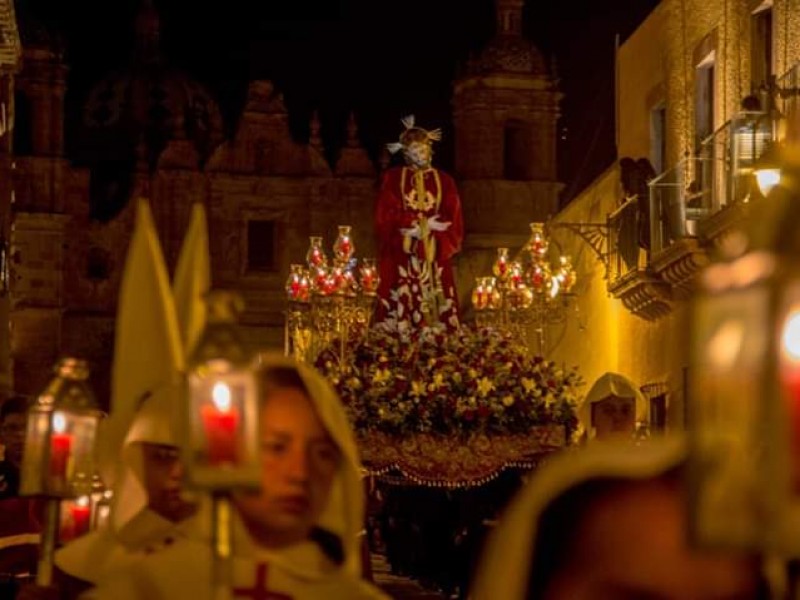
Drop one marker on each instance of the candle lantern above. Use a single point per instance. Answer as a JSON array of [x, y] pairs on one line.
[[222, 422], [744, 402], [343, 247], [59, 444], [59, 449], [221, 445], [369, 277], [75, 518], [315, 256]]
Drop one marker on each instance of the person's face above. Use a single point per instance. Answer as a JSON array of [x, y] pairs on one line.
[[632, 545], [299, 461], [163, 480], [614, 417], [419, 154], [12, 435]]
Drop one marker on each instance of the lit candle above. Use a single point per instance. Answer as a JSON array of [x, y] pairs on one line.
[[221, 423], [60, 447], [790, 378], [81, 514]]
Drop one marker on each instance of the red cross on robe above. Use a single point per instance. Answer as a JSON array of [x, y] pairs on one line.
[[259, 590]]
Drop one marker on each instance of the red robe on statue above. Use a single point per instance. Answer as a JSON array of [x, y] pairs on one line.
[[416, 273]]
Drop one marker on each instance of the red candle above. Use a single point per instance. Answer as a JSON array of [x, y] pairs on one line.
[[81, 514], [60, 447], [221, 424]]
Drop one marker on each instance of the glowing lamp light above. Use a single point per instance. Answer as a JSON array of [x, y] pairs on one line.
[[222, 419], [790, 338], [767, 179]]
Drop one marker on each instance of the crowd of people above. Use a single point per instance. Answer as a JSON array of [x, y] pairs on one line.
[[604, 519]]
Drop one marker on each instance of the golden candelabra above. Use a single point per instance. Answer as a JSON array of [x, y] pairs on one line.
[[329, 304], [527, 292]]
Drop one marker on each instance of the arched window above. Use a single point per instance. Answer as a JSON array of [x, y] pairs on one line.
[[517, 151]]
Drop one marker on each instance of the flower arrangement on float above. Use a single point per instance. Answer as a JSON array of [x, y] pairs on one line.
[[471, 381]]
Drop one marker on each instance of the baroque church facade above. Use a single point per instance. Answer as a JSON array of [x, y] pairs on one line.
[[151, 131]]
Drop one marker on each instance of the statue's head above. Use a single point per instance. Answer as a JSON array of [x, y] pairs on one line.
[[416, 144]]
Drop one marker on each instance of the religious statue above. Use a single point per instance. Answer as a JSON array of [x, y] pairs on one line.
[[419, 227]]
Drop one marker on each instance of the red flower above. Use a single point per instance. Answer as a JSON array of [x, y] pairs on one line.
[[469, 415], [483, 411]]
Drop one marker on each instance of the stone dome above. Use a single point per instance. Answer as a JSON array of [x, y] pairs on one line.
[[509, 54], [149, 103], [152, 104]]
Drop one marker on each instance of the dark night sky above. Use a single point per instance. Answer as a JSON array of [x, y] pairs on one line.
[[381, 58]]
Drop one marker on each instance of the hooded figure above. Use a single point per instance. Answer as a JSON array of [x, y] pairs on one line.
[[149, 508], [608, 522], [298, 537], [614, 407]]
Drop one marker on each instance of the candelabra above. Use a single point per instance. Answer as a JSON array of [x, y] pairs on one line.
[[527, 292], [329, 304]]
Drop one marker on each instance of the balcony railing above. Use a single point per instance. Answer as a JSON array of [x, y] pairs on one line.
[[787, 99], [628, 233], [700, 186], [678, 200]]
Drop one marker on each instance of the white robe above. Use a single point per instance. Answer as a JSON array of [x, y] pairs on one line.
[[90, 556], [185, 571]]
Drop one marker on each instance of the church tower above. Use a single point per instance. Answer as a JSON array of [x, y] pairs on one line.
[[505, 108]]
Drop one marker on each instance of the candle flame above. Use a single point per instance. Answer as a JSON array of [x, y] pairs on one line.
[[59, 422], [791, 335], [82, 501], [221, 395]]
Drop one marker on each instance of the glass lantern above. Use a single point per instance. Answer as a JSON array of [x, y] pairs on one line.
[[501, 264], [343, 247], [369, 279], [537, 244], [59, 445], [744, 402], [221, 443], [315, 256], [75, 519]]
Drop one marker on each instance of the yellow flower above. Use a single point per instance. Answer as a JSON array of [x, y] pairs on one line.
[[354, 383], [472, 373], [417, 389], [381, 376], [528, 384], [485, 385], [457, 377], [508, 400]]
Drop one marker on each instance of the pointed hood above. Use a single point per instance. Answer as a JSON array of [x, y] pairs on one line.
[[193, 279], [148, 359]]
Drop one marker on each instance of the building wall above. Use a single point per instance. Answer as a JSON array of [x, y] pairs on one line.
[[657, 63]]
